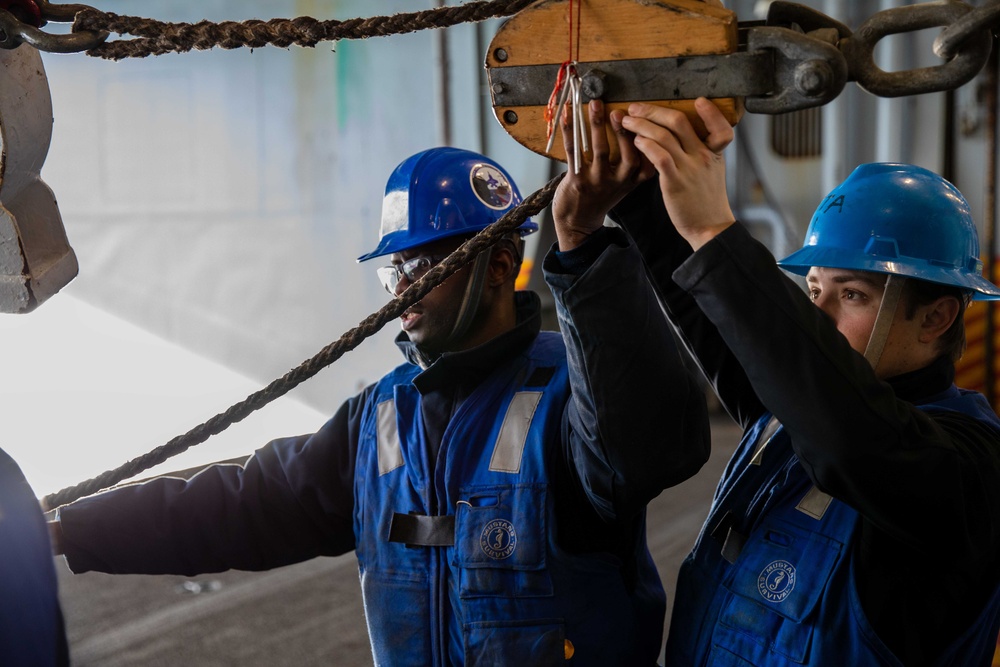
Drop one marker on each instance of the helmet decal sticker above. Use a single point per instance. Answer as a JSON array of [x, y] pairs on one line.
[[491, 186], [776, 581], [498, 539], [831, 201]]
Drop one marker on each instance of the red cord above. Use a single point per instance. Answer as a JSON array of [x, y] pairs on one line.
[[579, 7], [564, 68]]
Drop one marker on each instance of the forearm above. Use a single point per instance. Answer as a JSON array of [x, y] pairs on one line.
[[637, 422], [644, 218], [292, 500], [850, 430], [165, 526], [226, 517], [802, 368]]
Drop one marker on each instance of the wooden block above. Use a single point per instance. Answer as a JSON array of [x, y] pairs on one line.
[[609, 30]]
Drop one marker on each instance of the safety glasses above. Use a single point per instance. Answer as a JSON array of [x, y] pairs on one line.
[[414, 269]]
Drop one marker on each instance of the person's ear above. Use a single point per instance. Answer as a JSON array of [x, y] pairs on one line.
[[503, 265], [937, 318]]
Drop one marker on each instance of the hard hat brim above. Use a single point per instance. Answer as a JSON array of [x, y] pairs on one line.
[[401, 241], [800, 261]]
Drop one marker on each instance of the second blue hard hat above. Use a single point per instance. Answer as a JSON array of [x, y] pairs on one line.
[[896, 219]]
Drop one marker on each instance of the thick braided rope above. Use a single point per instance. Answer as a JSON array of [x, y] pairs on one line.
[[157, 37], [350, 340]]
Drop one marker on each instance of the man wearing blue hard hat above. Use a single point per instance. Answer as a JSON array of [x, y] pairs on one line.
[[494, 485], [857, 521]]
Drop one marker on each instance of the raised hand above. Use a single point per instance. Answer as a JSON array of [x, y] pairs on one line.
[[583, 200], [692, 171]]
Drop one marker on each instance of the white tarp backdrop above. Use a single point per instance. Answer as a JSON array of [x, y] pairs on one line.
[[93, 391]]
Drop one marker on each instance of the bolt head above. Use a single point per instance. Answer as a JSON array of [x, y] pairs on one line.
[[592, 85], [813, 77]]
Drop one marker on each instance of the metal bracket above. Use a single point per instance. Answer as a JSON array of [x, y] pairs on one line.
[[36, 260], [781, 70], [807, 72], [733, 75]]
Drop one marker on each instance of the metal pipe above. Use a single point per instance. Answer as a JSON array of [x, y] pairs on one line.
[[990, 212], [444, 73], [948, 144], [889, 131], [484, 106], [835, 127]]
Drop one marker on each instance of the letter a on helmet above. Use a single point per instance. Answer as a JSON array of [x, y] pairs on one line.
[[896, 219], [443, 192]]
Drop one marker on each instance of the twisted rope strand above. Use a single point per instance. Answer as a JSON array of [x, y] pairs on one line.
[[157, 37], [510, 221]]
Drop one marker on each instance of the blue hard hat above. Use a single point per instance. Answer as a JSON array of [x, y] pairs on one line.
[[898, 219], [443, 192]]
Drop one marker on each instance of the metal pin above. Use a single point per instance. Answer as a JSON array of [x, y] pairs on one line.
[[576, 127], [581, 110], [582, 115], [558, 117]]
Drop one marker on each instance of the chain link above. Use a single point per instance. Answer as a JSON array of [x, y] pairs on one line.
[[59, 13], [14, 31], [955, 36], [968, 59], [966, 40]]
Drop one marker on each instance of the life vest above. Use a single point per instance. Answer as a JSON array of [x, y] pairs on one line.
[[785, 595], [458, 559]]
